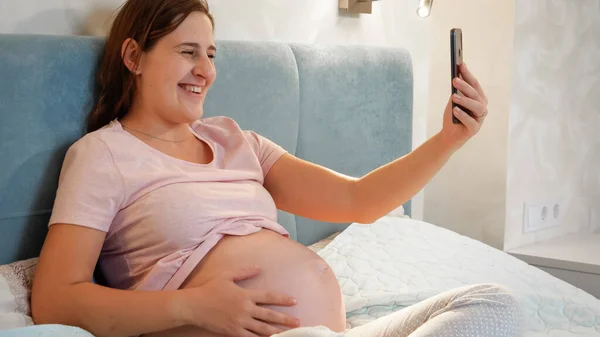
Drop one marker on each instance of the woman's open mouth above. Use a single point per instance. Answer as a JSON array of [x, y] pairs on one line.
[[191, 89]]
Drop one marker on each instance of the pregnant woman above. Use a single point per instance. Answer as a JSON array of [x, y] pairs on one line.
[[180, 211]]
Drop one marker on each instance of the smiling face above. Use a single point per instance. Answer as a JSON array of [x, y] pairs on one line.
[[174, 76]]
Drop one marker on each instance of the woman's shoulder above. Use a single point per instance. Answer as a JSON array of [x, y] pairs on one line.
[[102, 140]]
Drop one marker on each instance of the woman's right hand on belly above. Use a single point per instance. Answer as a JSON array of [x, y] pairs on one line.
[[222, 307]]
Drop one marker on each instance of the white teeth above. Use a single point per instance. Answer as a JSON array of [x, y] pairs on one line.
[[194, 89]]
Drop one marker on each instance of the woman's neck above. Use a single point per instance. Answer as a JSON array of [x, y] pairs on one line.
[[150, 124]]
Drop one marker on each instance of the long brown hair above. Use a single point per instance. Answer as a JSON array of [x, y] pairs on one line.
[[145, 21]]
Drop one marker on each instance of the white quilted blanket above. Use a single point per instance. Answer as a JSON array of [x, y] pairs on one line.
[[396, 262]]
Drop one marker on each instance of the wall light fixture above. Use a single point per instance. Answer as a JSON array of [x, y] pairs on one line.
[[424, 8]]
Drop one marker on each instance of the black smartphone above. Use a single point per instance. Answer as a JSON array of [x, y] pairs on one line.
[[456, 59]]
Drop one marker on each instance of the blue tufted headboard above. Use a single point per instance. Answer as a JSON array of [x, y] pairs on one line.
[[348, 108]]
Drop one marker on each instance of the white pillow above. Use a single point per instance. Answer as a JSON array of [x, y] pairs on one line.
[[398, 212], [318, 246], [15, 293]]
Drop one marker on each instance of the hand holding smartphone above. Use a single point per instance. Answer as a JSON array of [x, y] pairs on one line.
[[456, 59]]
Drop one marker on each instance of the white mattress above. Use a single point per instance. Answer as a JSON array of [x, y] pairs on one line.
[[396, 262]]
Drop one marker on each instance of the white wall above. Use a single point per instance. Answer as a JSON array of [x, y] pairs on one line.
[[72, 17], [554, 148], [468, 195], [456, 198]]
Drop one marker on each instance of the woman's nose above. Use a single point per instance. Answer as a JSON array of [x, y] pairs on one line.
[[205, 68]]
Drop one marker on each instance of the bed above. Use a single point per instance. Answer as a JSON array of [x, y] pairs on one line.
[[346, 107], [396, 262]]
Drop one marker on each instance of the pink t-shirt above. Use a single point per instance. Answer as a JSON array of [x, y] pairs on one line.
[[162, 214]]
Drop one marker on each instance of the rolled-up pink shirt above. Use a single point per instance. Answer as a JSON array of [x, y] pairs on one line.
[[161, 214]]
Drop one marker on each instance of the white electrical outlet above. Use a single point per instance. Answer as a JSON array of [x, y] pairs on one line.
[[541, 215]]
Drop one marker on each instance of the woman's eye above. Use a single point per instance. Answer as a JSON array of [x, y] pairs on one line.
[[212, 56], [189, 52]]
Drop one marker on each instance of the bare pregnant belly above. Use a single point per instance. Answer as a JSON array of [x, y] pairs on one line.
[[286, 266]]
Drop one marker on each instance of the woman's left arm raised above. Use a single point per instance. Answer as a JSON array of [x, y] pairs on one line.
[[316, 192]]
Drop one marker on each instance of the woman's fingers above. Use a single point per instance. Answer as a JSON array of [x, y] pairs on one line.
[[270, 297], [466, 89], [469, 122], [247, 333], [275, 317], [473, 82], [262, 328], [477, 109]]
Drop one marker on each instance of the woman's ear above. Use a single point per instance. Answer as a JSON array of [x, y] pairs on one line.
[[131, 55]]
